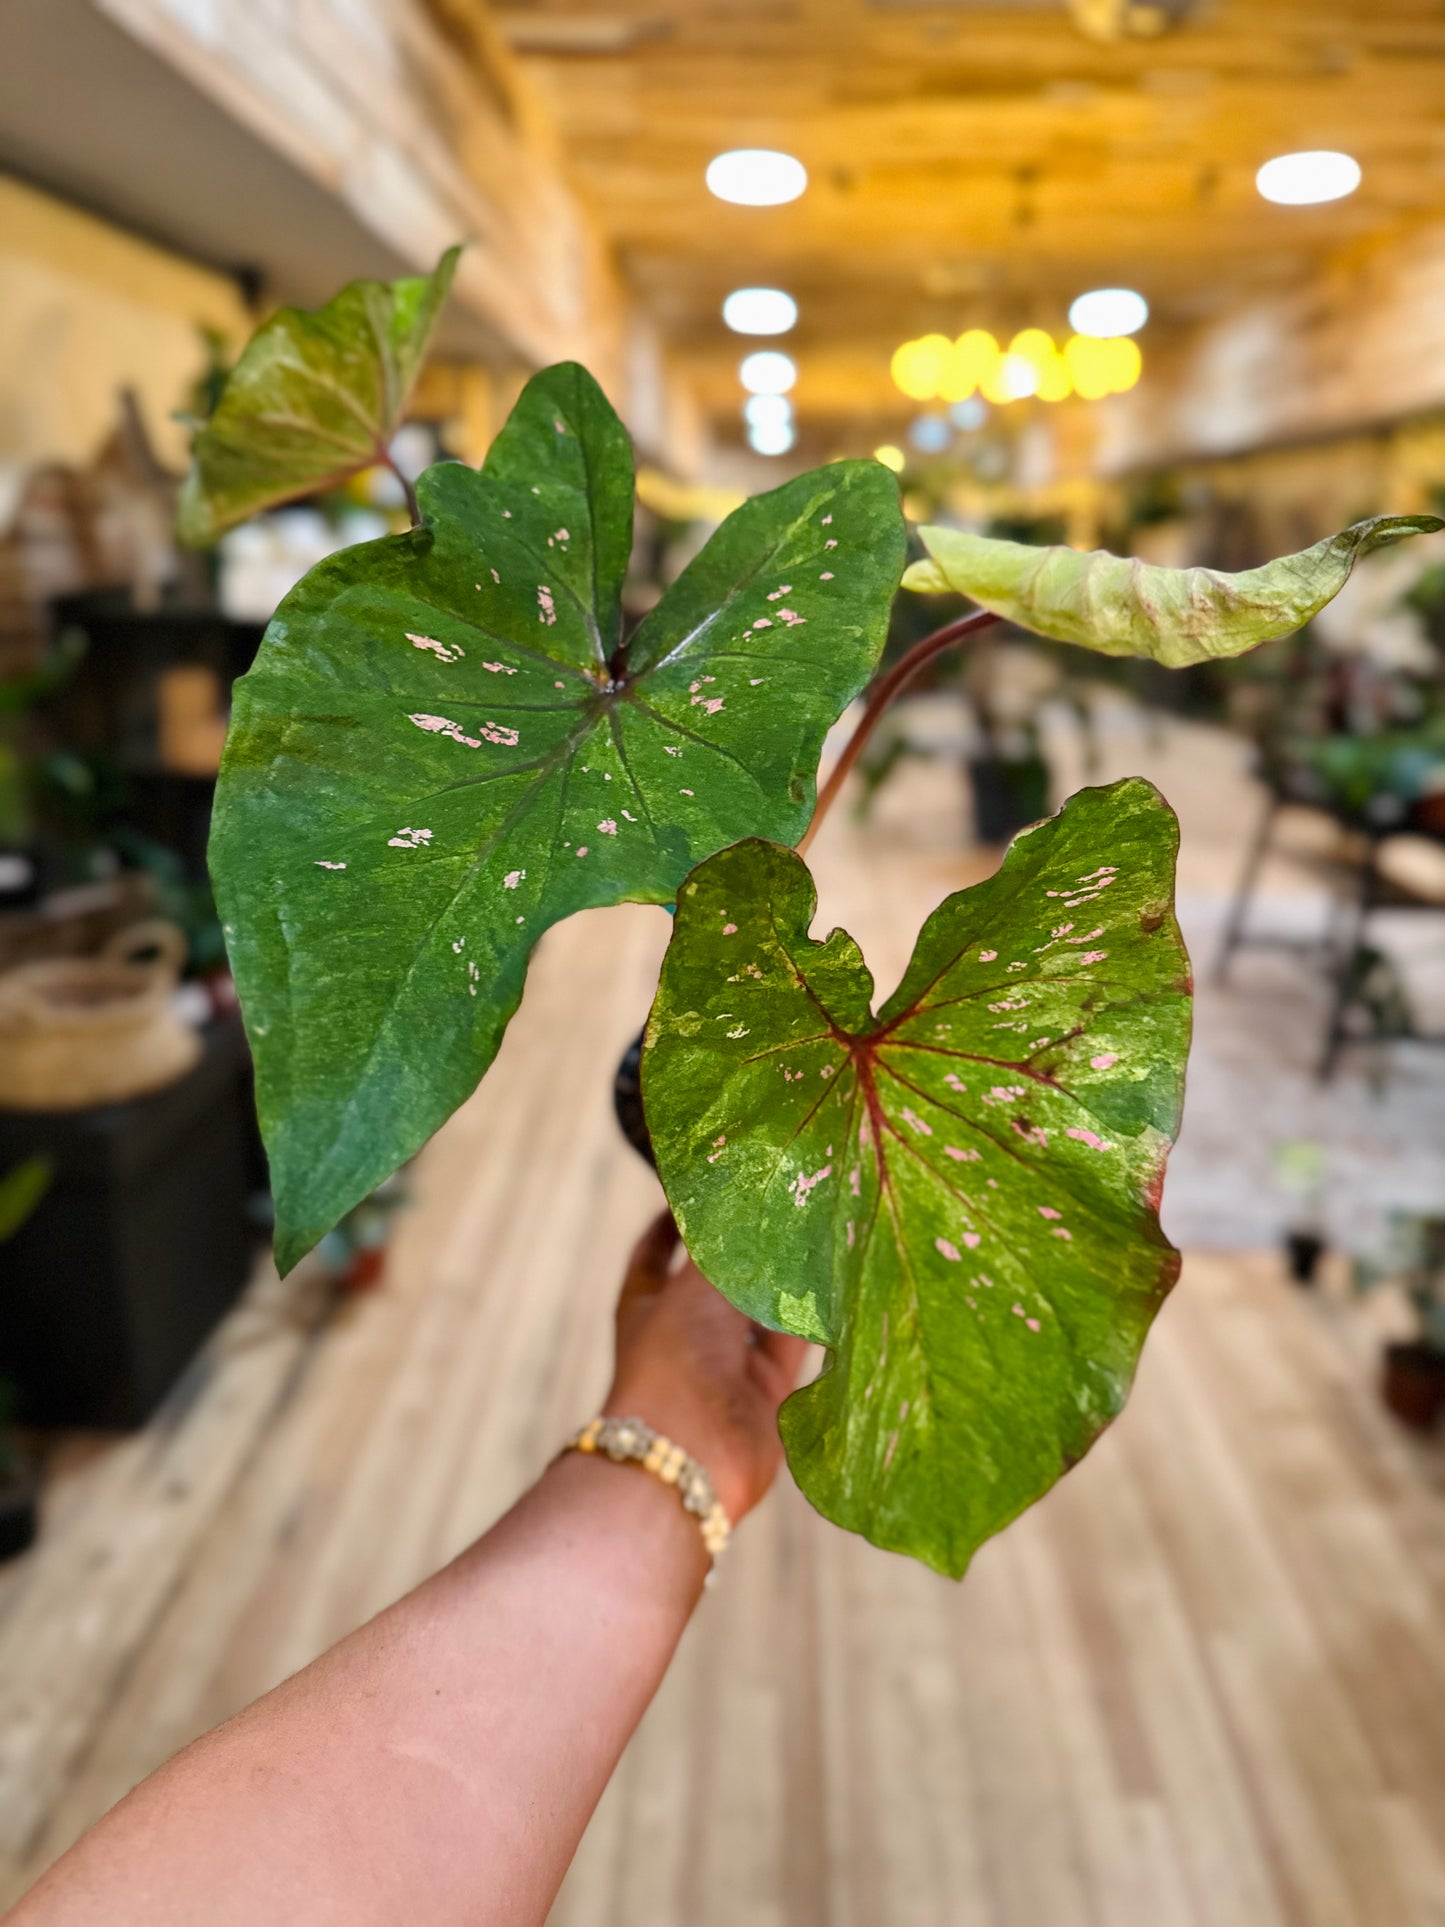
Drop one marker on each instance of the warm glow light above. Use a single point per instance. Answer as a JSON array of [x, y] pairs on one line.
[[890, 457], [767, 411], [933, 368], [1302, 180], [771, 438], [1100, 368], [1015, 379], [973, 363], [768, 373], [1106, 312], [756, 177], [759, 311], [1125, 365], [919, 367]]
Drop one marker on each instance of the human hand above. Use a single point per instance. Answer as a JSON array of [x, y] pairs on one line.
[[698, 1370]]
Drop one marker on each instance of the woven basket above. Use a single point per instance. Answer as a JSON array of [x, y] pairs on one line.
[[76, 1031]]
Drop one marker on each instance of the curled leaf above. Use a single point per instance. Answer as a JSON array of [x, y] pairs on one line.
[[444, 748], [315, 397], [958, 1196], [1123, 607]]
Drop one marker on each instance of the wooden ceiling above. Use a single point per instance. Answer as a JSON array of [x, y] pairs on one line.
[[975, 163]]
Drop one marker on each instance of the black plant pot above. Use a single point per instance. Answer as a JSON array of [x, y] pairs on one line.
[[21, 876], [627, 1101], [19, 1506], [1008, 794], [1304, 1250]]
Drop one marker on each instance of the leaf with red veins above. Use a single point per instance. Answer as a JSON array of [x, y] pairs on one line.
[[964, 1210]]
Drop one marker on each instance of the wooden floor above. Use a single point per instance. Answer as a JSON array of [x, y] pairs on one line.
[[1204, 1682]]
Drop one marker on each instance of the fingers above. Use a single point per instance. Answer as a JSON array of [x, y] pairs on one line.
[[652, 1254], [647, 1268], [784, 1354]]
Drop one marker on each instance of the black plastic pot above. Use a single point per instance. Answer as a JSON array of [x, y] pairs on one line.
[[1304, 1250], [20, 876], [19, 1505], [627, 1101], [1008, 794], [1412, 1383]]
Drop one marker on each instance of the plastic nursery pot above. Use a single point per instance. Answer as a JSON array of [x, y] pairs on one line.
[[19, 1505], [1412, 1383], [627, 1101], [1303, 1250], [1008, 794]]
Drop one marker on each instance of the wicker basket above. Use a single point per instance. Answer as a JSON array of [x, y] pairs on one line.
[[76, 1031]]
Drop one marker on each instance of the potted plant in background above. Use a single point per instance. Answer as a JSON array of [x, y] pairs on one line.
[[1412, 1376], [450, 740]]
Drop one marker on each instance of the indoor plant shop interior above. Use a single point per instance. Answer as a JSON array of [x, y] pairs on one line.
[[829, 619]]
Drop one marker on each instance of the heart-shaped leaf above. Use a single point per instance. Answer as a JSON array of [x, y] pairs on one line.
[[441, 750], [315, 397], [957, 1196], [1123, 607]]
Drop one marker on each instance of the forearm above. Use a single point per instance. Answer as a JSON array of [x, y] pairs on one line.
[[441, 1763]]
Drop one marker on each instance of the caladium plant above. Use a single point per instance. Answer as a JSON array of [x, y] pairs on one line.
[[450, 740]]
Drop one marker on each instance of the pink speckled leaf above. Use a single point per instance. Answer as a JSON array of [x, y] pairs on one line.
[[958, 1196]]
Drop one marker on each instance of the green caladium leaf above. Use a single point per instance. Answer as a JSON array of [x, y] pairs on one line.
[[959, 1195], [1123, 607], [315, 397], [443, 748]]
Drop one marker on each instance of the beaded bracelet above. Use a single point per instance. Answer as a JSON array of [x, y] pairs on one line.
[[633, 1439]]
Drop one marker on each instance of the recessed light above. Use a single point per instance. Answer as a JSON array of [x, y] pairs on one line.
[[759, 311], [1107, 312], [771, 438], [756, 177], [1303, 180], [761, 411], [768, 372], [890, 457]]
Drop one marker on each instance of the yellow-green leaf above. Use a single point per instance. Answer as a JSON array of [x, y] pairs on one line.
[[315, 397], [1124, 607]]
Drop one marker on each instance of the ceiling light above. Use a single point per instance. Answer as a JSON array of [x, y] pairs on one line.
[[756, 177], [767, 411], [1302, 180], [973, 363], [1098, 368], [768, 372], [890, 457], [919, 367], [1014, 379], [759, 311], [771, 438], [1109, 311]]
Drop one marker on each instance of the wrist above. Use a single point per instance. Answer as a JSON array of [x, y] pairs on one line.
[[685, 1425], [654, 1548]]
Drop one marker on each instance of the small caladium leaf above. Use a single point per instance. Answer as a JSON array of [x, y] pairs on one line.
[[1123, 607], [959, 1195], [444, 747], [315, 397]]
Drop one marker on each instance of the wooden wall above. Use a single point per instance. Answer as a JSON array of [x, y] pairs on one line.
[[1361, 345], [414, 118]]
